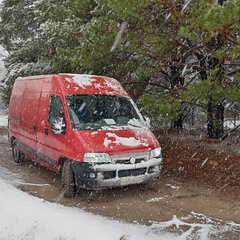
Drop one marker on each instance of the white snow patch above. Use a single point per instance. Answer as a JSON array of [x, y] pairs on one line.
[[27, 217], [36, 185], [172, 186], [131, 141], [9, 177], [198, 226], [156, 199], [3, 118], [136, 123], [81, 80], [115, 86]]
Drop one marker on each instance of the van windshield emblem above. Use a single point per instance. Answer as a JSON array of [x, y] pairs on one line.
[[132, 160]]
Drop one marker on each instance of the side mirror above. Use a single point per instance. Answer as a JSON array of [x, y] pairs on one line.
[[147, 122], [59, 126]]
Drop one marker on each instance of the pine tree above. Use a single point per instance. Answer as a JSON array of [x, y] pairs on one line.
[[21, 37], [173, 56], [215, 29], [36, 32], [64, 24], [202, 42]]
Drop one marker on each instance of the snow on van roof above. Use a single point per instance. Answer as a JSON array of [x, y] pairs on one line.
[[81, 80], [101, 83]]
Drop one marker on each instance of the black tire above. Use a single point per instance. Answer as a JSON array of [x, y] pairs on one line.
[[18, 156], [69, 187]]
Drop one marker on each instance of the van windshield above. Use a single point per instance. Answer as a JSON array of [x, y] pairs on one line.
[[99, 111]]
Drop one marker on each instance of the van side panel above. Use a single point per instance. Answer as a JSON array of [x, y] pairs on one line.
[[50, 147], [42, 128], [29, 115]]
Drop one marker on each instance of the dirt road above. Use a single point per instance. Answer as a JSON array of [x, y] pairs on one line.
[[157, 201]]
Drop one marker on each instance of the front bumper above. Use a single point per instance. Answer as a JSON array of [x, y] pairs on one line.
[[99, 176]]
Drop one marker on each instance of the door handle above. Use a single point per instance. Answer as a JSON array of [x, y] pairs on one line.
[[46, 131]]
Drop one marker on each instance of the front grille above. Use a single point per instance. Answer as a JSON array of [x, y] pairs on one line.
[[125, 159], [134, 158], [109, 175], [132, 172]]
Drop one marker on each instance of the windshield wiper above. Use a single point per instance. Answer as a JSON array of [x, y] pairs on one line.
[[134, 124], [87, 126]]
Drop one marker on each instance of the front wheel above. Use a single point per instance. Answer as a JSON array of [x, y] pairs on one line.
[[68, 181], [18, 156]]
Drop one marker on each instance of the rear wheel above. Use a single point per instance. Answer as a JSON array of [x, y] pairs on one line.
[[68, 181], [18, 156]]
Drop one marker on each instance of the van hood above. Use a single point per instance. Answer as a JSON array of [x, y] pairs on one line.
[[120, 141]]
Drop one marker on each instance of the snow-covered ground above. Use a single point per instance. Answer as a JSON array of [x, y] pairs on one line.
[[25, 217], [3, 117]]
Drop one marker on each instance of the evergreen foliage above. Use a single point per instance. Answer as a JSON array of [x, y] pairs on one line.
[[174, 56]]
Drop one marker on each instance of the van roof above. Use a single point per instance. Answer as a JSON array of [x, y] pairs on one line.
[[82, 83]]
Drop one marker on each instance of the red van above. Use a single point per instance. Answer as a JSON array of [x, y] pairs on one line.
[[85, 128]]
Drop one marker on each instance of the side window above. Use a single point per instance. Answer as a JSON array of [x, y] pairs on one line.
[[55, 110]]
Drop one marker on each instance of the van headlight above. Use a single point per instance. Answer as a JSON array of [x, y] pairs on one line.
[[156, 153], [97, 157]]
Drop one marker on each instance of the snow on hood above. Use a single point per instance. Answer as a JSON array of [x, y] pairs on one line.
[[125, 141], [120, 141]]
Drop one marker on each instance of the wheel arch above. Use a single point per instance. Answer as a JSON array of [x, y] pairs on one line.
[[60, 164]]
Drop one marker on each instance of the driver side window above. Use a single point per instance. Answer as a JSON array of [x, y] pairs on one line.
[[55, 110]]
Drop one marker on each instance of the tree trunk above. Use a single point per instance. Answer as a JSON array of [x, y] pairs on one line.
[[177, 81], [210, 125], [215, 116], [219, 118], [178, 124]]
